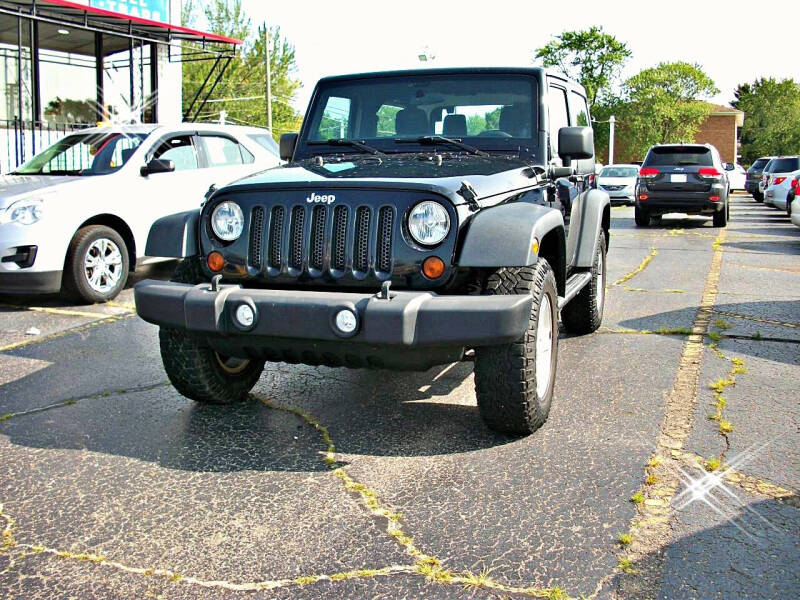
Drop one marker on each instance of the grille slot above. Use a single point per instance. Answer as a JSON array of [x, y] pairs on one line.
[[317, 254], [256, 238], [338, 257], [276, 237], [361, 240], [385, 223], [296, 237]]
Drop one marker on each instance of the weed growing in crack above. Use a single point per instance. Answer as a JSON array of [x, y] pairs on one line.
[[637, 498], [624, 539]]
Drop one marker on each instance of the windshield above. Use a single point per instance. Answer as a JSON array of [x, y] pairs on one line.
[[487, 111], [679, 156], [84, 154], [619, 172]]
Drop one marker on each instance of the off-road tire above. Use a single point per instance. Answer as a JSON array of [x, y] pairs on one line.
[[641, 217], [721, 217], [74, 284], [584, 313], [193, 368], [505, 375]]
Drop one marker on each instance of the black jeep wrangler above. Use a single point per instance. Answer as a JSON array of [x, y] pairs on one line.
[[424, 217]]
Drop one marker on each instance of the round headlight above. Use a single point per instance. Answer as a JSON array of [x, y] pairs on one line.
[[227, 221], [428, 223]]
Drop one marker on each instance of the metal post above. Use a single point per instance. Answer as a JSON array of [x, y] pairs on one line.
[[267, 68], [611, 122], [36, 91], [20, 108], [154, 79], [132, 100], [99, 76]]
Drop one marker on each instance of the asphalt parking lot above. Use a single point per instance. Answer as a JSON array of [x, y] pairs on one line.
[[368, 484]]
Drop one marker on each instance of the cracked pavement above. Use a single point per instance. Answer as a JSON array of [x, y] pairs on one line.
[[112, 485]]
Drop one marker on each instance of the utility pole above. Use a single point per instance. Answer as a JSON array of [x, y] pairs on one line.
[[611, 122], [268, 73]]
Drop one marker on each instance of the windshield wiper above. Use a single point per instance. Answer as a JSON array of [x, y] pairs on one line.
[[438, 139], [345, 142]]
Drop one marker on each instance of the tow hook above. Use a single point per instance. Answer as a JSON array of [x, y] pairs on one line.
[[384, 293], [215, 283]]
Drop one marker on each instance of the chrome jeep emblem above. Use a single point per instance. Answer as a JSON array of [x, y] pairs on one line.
[[324, 199]]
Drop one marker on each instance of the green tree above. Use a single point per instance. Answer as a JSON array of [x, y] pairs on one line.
[[592, 57], [659, 105], [772, 117], [241, 91]]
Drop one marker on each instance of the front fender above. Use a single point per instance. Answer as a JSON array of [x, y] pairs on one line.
[[503, 236], [595, 205], [174, 236]]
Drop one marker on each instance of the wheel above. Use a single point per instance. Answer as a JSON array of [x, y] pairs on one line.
[[97, 265], [514, 382], [789, 200], [584, 313], [641, 217], [721, 217], [758, 196], [197, 371]]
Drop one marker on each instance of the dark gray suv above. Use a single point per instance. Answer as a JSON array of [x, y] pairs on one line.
[[682, 178], [754, 176]]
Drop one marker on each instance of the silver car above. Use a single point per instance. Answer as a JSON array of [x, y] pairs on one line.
[[619, 181]]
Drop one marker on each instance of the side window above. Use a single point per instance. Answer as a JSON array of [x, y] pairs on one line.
[[180, 150], [335, 119], [578, 110], [559, 117], [222, 151]]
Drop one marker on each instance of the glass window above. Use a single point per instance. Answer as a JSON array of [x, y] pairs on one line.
[[222, 151], [785, 165], [679, 156], [578, 110], [559, 117], [619, 172], [759, 163], [335, 119], [84, 154], [489, 111], [265, 140], [179, 150]]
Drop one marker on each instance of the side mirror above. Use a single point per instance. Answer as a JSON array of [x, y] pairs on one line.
[[729, 166], [157, 165], [288, 145], [575, 143]]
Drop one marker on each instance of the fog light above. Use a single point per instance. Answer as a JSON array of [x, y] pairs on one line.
[[346, 321], [215, 261], [433, 267], [245, 316]]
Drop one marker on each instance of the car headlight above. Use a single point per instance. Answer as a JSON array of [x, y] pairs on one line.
[[428, 223], [227, 221], [24, 212]]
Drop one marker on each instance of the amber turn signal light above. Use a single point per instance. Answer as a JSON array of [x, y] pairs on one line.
[[215, 261], [433, 267]]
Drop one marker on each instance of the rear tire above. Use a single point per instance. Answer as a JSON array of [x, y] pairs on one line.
[[758, 196], [194, 369], [721, 217], [97, 265], [584, 313], [514, 382], [641, 217]]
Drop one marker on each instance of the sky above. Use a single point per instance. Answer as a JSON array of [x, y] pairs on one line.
[[734, 42]]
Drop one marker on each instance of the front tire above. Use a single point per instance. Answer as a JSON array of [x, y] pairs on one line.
[[514, 382], [97, 265], [584, 313], [194, 369]]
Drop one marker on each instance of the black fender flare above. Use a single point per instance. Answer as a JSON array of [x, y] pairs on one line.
[[174, 236], [508, 235], [594, 205]]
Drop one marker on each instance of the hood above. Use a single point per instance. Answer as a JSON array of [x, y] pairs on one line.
[[14, 187], [488, 175], [616, 180]]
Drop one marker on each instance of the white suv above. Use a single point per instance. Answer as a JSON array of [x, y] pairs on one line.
[[77, 215], [775, 173]]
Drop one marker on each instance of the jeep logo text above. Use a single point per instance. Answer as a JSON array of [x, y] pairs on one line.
[[325, 199]]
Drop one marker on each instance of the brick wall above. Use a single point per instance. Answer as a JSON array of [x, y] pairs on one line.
[[720, 132]]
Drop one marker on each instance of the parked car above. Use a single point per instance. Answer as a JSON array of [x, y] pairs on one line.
[[780, 169], [793, 192], [794, 208], [778, 190], [426, 242], [754, 177], [737, 176], [77, 215], [619, 181], [682, 178]]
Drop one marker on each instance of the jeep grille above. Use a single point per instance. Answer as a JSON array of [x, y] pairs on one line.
[[321, 240]]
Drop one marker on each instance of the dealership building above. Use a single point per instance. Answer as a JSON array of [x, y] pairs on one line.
[[67, 65]]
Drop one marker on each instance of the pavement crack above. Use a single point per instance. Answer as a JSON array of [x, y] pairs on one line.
[[755, 319], [642, 266], [72, 330]]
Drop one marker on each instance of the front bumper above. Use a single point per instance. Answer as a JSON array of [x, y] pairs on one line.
[[30, 282], [406, 320]]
